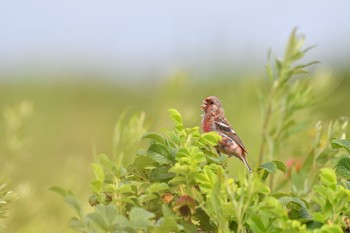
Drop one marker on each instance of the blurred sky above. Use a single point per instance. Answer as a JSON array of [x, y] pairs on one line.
[[159, 37]]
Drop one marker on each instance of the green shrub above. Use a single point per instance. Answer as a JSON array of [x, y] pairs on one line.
[[180, 184]]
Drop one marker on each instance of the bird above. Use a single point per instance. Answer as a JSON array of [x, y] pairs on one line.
[[214, 119]]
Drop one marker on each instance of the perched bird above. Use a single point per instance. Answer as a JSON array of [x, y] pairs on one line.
[[214, 119]]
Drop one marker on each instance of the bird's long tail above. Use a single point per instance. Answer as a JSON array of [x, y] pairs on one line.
[[244, 160]]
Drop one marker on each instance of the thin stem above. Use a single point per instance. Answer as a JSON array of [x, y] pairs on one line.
[[264, 132], [266, 125], [267, 121], [271, 182]]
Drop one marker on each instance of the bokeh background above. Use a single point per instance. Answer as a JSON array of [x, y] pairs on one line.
[[68, 69]]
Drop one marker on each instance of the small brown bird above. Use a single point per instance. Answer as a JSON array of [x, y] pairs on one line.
[[214, 120]]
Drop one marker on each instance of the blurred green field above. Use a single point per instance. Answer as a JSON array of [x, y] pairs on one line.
[[64, 125]]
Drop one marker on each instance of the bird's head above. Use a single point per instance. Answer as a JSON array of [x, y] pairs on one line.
[[211, 104]]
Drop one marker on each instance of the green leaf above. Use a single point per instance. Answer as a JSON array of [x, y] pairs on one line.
[[155, 137], [345, 183], [211, 138], [188, 227], [341, 143], [204, 220], [180, 169], [129, 199], [175, 116], [198, 156], [69, 198], [98, 220], [140, 218], [204, 182], [183, 153], [77, 224], [288, 199], [159, 148], [328, 177], [120, 172], [318, 217], [121, 223], [96, 186], [265, 190], [125, 188], [166, 224], [270, 167], [159, 153], [256, 223], [296, 206], [98, 171], [217, 204], [343, 168], [104, 217], [147, 198], [167, 212], [159, 158], [160, 174], [157, 187], [73, 202], [58, 190], [206, 179], [280, 165], [143, 161], [329, 229], [105, 160], [177, 180], [323, 194], [111, 188]]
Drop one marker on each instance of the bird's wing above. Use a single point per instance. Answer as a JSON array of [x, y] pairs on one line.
[[224, 127]]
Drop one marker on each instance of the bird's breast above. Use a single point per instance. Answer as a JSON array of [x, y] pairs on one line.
[[206, 124]]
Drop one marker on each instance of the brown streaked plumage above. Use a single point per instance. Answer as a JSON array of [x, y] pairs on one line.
[[214, 120]]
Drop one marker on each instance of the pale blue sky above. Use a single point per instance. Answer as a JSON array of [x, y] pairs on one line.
[[164, 36]]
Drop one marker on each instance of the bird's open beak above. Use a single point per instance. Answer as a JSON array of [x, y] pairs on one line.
[[204, 105]]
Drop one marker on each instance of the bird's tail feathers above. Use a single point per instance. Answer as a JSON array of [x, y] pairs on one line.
[[244, 160]]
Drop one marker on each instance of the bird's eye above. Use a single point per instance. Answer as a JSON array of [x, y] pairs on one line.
[[210, 102]]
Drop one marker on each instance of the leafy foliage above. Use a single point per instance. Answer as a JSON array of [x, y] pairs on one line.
[[333, 199], [341, 143], [286, 96], [6, 196], [180, 184], [320, 155], [126, 141]]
